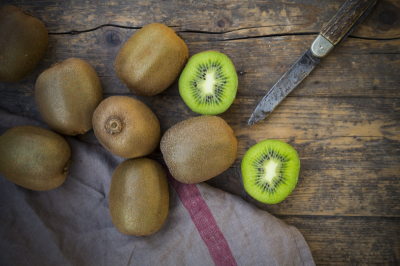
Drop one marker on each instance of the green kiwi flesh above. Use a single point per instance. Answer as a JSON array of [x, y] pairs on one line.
[[23, 42], [208, 83], [151, 59], [126, 127], [199, 148], [139, 197], [67, 94], [34, 157], [270, 170]]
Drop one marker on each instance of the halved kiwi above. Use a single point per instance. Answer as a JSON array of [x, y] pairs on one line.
[[270, 170], [208, 83]]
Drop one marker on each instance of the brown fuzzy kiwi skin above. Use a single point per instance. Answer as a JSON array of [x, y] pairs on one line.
[[23, 42], [34, 157], [67, 94], [151, 59], [139, 197], [199, 148], [137, 129]]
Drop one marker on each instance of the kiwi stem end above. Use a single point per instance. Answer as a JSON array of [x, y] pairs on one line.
[[114, 125]]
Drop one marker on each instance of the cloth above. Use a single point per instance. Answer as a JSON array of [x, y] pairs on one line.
[[71, 225]]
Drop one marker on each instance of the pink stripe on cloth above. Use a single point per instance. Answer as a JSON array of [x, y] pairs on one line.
[[204, 221]]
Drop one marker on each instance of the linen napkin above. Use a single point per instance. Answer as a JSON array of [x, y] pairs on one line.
[[71, 225]]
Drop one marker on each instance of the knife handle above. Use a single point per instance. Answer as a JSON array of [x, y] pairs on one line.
[[344, 20]]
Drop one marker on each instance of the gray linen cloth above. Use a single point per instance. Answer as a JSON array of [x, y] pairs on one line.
[[71, 225]]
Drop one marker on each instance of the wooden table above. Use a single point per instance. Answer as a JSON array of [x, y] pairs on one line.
[[344, 119]]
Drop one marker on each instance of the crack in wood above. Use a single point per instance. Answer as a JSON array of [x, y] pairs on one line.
[[75, 32]]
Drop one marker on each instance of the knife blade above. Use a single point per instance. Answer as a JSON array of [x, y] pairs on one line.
[[349, 16]]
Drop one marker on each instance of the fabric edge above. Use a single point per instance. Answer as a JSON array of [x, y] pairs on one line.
[[302, 246]]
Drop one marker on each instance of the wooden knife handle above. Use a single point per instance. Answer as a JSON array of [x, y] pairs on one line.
[[344, 19]]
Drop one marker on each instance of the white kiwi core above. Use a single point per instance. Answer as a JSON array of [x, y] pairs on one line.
[[208, 85], [270, 170]]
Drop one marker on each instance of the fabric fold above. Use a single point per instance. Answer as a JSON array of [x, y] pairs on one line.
[[71, 225]]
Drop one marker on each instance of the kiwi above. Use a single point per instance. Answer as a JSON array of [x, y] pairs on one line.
[[270, 170], [67, 94], [151, 59], [34, 158], [23, 42], [199, 148], [126, 127], [208, 84], [139, 197]]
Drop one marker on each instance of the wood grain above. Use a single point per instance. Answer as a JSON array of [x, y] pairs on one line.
[[343, 119], [355, 191], [349, 149], [260, 62], [350, 240], [247, 18], [296, 118]]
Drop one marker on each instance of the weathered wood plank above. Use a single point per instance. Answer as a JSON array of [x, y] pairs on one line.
[[355, 191], [238, 19], [358, 68], [350, 240], [296, 118], [349, 149], [344, 119]]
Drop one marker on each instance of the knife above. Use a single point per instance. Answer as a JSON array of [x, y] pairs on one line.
[[350, 15]]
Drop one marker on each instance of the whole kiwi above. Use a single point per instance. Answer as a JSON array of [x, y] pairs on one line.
[[67, 94], [126, 127], [151, 59], [23, 41], [139, 197], [199, 148], [34, 157]]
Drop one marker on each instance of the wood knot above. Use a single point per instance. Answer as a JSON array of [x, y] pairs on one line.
[[388, 17], [112, 38], [221, 23]]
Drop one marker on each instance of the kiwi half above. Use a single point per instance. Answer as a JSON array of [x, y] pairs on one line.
[[208, 83], [270, 170]]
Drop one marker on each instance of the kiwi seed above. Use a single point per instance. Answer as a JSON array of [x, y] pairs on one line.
[[208, 84], [270, 170]]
